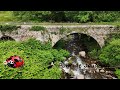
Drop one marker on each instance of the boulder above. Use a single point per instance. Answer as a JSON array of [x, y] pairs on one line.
[[102, 71], [82, 54]]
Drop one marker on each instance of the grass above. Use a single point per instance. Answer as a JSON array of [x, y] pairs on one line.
[[6, 16]]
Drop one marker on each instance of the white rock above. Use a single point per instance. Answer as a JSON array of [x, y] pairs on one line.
[[87, 77], [83, 66], [94, 65], [66, 62], [82, 53], [90, 71], [108, 72], [52, 63], [69, 58], [114, 78], [102, 71], [80, 76], [67, 70], [5, 62], [97, 70], [73, 54]]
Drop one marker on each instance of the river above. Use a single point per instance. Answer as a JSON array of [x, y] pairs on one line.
[[78, 66]]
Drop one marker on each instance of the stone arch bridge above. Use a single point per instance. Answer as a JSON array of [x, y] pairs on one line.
[[56, 32]]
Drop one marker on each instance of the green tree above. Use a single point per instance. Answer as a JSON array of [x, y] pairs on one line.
[[68, 16]]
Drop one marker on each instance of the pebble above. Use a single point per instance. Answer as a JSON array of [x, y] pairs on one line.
[[108, 72], [109, 76], [102, 71], [94, 65], [80, 77], [97, 70], [114, 78], [69, 58], [66, 62]]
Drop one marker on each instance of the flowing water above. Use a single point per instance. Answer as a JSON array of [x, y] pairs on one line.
[[78, 67]]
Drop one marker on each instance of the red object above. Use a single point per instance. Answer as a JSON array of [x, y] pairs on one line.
[[15, 61]]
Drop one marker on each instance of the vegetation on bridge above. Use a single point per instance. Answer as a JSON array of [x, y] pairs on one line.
[[8, 28], [37, 28]]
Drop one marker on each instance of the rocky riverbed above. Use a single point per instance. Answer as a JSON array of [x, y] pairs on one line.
[[78, 67]]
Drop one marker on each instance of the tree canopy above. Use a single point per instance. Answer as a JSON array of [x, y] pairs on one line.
[[67, 16]]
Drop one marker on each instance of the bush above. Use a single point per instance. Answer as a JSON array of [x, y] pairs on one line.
[[60, 44], [105, 16], [62, 30], [67, 16], [37, 57], [111, 37], [117, 72], [83, 17], [110, 54], [94, 53], [9, 28], [37, 28]]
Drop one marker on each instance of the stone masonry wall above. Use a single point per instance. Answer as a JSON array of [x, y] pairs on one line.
[[53, 33]]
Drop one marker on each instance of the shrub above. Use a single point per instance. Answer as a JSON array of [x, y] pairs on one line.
[[83, 17], [117, 72], [94, 53], [37, 57], [37, 28], [111, 37], [62, 30], [9, 28], [110, 54]]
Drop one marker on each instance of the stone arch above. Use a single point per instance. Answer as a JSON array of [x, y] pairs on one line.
[[87, 42], [93, 36], [89, 35], [99, 39], [5, 37]]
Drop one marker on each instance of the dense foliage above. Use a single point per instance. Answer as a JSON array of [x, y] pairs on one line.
[[37, 57], [67, 16], [110, 54], [117, 72]]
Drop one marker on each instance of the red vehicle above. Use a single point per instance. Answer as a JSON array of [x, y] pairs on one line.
[[14, 61]]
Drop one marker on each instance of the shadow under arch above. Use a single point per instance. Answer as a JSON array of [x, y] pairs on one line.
[[5, 38], [77, 42]]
